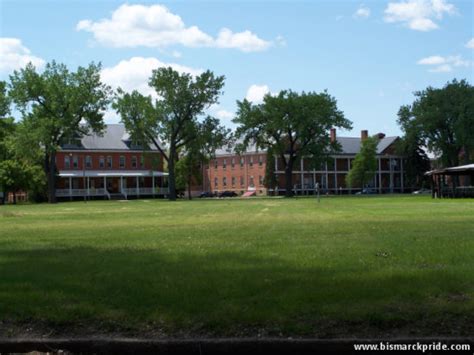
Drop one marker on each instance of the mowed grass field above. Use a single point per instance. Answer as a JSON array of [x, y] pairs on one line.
[[348, 266]]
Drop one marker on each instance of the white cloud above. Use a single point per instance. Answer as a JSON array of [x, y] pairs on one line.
[[14, 55], [434, 59], [155, 26], [439, 64], [362, 12], [133, 74], [470, 43], [444, 68], [224, 115], [419, 15], [255, 93], [245, 41]]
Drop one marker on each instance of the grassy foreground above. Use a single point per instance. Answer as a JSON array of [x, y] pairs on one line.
[[278, 267]]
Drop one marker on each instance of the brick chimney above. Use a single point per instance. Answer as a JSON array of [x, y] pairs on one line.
[[333, 135], [364, 134]]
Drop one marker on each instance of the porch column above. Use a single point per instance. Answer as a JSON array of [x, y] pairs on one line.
[[138, 187], [348, 169], [380, 176], [391, 175], [153, 184], [327, 176], [401, 175], [88, 192], [335, 176], [302, 177], [105, 183], [121, 185], [70, 187]]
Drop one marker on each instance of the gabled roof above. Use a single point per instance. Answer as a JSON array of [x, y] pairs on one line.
[[349, 145], [114, 137]]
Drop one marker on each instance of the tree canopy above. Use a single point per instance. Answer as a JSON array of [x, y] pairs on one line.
[[365, 164], [292, 126], [171, 122], [443, 121], [58, 105]]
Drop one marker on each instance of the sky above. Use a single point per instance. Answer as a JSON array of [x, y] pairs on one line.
[[371, 55]]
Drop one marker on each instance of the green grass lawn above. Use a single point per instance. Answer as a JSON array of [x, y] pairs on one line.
[[276, 267]]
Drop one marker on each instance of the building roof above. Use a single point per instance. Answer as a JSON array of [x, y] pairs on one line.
[[114, 137], [454, 170], [349, 145]]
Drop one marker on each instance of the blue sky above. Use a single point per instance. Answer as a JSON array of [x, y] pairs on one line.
[[370, 55]]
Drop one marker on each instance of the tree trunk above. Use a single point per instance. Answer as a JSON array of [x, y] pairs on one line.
[[14, 198], [171, 176], [189, 186], [289, 178], [52, 178]]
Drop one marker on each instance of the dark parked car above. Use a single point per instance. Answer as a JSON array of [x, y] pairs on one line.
[[228, 194], [207, 194], [367, 191]]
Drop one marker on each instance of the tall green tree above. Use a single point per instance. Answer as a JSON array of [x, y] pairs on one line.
[[292, 126], [7, 124], [57, 105], [365, 164], [18, 175], [411, 148], [174, 117], [444, 121], [210, 136]]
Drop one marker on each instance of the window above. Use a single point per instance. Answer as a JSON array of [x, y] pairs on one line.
[[224, 163], [215, 182], [242, 162], [224, 181], [122, 162], [232, 163], [233, 181], [241, 181], [88, 162], [260, 160], [215, 163], [67, 162], [101, 162], [109, 162], [260, 180], [251, 182], [134, 161], [75, 161], [251, 161]]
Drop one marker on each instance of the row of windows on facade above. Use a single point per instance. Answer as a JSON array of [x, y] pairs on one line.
[[103, 162], [242, 162], [242, 181]]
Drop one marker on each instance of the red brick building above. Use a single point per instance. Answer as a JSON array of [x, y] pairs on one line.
[[111, 165], [246, 172], [107, 166]]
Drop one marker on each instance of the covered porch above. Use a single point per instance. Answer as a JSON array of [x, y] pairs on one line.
[[457, 181], [123, 184]]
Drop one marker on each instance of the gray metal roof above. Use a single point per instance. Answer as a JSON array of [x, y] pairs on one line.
[[114, 137], [349, 145]]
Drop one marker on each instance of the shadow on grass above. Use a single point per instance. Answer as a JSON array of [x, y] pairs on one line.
[[225, 294]]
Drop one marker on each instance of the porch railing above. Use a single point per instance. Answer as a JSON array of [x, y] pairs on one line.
[[80, 192], [145, 191]]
